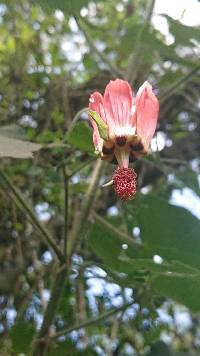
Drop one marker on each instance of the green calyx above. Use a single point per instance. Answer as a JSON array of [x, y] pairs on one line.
[[102, 127]]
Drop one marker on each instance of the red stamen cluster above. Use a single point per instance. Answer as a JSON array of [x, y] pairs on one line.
[[124, 181]]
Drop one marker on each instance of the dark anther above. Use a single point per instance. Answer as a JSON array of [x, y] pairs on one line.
[[121, 140], [132, 158], [107, 151], [114, 160], [138, 147]]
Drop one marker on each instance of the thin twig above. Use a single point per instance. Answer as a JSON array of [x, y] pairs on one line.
[[136, 55], [66, 196], [115, 71], [170, 91], [174, 161], [86, 206], [40, 344], [21, 200], [81, 166], [122, 236], [81, 306], [93, 320], [76, 118]]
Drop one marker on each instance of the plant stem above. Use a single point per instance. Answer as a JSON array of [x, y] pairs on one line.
[[76, 118], [136, 55], [66, 195], [115, 71], [170, 91], [40, 344], [27, 209], [122, 236], [86, 206], [81, 166], [93, 320]]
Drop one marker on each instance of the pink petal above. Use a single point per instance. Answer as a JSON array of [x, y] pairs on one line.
[[96, 104], [118, 102], [147, 110]]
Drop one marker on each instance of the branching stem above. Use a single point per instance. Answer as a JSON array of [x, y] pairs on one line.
[[77, 232], [27, 209], [40, 344], [115, 71], [134, 62], [66, 196], [93, 320]]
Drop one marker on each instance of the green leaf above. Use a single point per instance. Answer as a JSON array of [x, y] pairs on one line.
[[159, 348], [81, 137], [77, 188], [169, 231], [102, 127], [21, 335], [183, 289], [108, 247], [68, 348], [166, 230], [67, 6], [182, 33]]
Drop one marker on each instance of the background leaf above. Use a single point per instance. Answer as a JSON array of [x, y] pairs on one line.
[[81, 137], [21, 336], [11, 147]]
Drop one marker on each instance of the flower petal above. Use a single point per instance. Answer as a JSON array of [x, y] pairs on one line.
[[147, 110], [118, 103], [96, 104]]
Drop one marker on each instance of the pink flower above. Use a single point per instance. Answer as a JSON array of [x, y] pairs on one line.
[[129, 122]]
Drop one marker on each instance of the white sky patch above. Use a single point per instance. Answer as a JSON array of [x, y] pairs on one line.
[[76, 178], [73, 25], [182, 320], [46, 295], [84, 12], [47, 257], [11, 315], [59, 15], [146, 190], [95, 272], [28, 121], [113, 211], [124, 246], [42, 211], [136, 231], [71, 51], [187, 199], [164, 317], [157, 259], [96, 286], [158, 142], [187, 11]]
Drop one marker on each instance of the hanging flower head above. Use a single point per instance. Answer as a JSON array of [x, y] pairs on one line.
[[123, 126]]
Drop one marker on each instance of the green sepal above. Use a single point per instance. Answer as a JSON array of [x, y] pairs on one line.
[[102, 127]]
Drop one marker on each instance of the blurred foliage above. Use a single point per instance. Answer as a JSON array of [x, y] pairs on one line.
[[53, 54]]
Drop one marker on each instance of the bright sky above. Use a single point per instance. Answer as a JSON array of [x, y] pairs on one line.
[[188, 11]]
